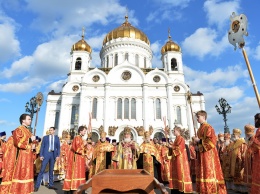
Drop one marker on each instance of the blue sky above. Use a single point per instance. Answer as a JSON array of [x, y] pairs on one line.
[[36, 37]]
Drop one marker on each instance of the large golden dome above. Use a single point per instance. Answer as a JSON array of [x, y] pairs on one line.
[[170, 46], [81, 45], [126, 30]]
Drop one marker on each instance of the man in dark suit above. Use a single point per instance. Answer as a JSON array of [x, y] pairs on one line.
[[49, 152]]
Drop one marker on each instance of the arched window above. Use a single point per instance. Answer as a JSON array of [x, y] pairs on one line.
[[126, 56], [57, 118], [78, 64], [136, 60], [158, 108], [73, 114], [119, 108], [126, 108], [178, 113], [145, 62], [94, 108], [116, 59], [133, 108], [174, 64], [107, 61]]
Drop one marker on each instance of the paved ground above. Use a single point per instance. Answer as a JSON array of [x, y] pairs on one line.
[[45, 190]]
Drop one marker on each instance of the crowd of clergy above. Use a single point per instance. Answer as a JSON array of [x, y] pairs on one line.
[[207, 163]]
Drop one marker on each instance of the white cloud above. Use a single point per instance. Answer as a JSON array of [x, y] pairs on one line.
[[219, 78], [52, 58], [204, 42], [156, 48], [4, 100], [56, 86], [171, 3], [257, 52], [3, 122], [26, 85], [218, 13], [62, 17], [9, 44], [242, 113], [167, 10], [19, 67], [224, 83]]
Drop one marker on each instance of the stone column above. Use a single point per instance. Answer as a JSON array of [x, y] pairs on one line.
[[145, 105], [106, 112], [169, 87]]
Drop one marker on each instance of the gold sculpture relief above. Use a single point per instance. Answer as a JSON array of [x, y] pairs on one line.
[[140, 130], [112, 130]]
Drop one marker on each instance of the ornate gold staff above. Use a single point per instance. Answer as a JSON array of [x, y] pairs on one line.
[[238, 28], [39, 100]]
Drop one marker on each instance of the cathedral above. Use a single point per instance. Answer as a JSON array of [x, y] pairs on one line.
[[126, 90]]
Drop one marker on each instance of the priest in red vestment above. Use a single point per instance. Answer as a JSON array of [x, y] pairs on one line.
[[180, 171], [192, 160], [22, 177], [255, 187], [76, 166], [247, 176], [8, 165], [165, 166], [209, 176]]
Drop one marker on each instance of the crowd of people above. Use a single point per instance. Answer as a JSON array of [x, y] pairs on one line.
[[207, 164]]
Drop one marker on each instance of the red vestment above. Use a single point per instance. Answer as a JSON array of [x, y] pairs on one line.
[[209, 176], [192, 160], [2, 150], [8, 165], [180, 171], [165, 166], [255, 187], [75, 171], [247, 178], [22, 178], [64, 154]]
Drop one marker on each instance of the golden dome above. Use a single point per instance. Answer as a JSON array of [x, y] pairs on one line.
[[81, 45], [126, 30], [170, 46]]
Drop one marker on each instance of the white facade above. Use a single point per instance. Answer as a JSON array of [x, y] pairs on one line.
[[126, 91]]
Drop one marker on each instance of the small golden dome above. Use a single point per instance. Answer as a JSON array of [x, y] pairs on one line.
[[126, 30], [81, 45], [170, 46]]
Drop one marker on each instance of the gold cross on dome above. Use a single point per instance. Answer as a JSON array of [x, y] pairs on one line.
[[83, 32], [169, 35]]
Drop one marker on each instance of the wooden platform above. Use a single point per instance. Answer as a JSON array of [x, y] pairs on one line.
[[111, 181]]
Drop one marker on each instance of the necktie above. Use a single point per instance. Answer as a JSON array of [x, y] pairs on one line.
[[52, 143]]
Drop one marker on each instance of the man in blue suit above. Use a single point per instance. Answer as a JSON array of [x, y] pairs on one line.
[[49, 152]]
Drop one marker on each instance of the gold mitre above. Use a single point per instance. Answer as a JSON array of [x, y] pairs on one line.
[[249, 129], [227, 136], [220, 135], [147, 134], [237, 131], [127, 130], [103, 134]]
